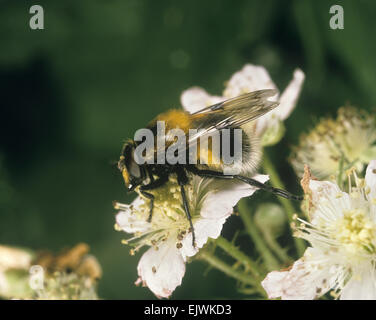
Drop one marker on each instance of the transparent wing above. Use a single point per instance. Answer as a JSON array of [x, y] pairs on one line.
[[233, 112]]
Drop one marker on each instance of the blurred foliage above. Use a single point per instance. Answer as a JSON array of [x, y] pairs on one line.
[[71, 93]]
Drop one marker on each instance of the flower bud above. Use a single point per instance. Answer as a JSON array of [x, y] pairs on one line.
[[270, 218], [273, 133]]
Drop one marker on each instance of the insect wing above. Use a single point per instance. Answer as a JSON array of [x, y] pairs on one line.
[[233, 112]]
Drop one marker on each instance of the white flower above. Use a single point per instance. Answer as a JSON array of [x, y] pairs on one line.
[[12, 258], [342, 234], [71, 275], [269, 128], [349, 140], [211, 201], [67, 286]]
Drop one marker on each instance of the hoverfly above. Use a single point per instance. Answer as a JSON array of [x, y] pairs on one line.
[[235, 113]]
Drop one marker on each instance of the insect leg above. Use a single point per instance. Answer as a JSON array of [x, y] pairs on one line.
[[187, 212], [182, 181], [276, 191], [250, 181], [151, 198], [152, 185]]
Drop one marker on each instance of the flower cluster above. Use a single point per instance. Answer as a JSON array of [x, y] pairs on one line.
[[340, 226], [168, 234], [71, 275], [334, 145], [335, 242], [342, 234], [12, 259]]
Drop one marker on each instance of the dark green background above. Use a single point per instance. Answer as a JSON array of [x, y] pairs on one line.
[[71, 93]]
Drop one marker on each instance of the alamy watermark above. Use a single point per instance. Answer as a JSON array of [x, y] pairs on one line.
[[36, 279], [337, 19], [37, 19]]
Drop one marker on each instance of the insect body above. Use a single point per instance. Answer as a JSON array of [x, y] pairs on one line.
[[230, 115]]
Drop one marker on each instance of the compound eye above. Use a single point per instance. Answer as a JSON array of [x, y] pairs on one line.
[[134, 169]]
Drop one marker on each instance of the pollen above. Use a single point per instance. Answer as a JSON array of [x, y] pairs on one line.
[[168, 218], [356, 232]]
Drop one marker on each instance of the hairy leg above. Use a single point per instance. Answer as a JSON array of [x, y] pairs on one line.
[[182, 181], [250, 181], [152, 185]]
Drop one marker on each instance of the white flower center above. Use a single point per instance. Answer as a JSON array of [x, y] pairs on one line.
[[168, 220], [356, 232]]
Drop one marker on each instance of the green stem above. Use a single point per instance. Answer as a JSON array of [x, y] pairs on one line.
[[244, 212], [286, 203], [276, 248], [340, 171], [228, 270], [238, 255]]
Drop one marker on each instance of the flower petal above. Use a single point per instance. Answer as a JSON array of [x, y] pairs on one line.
[[273, 283], [196, 98], [287, 103], [299, 283], [289, 97], [323, 189], [371, 179], [329, 200], [162, 270], [130, 222], [290, 285], [204, 229], [14, 258], [248, 79], [220, 202], [216, 208], [361, 289], [3, 284]]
